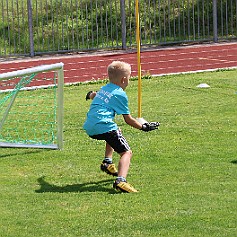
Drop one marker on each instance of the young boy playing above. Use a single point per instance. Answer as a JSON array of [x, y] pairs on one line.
[[110, 100]]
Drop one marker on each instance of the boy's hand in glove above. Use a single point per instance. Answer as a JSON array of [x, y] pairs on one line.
[[90, 95], [146, 127]]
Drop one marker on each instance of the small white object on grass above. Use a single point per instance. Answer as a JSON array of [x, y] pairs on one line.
[[203, 85]]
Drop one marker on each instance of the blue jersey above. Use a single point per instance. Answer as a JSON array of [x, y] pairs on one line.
[[109, 101]]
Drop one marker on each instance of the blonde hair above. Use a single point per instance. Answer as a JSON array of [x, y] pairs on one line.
[[118, 70]]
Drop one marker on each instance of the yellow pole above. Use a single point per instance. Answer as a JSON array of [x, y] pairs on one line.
[[139, 60]]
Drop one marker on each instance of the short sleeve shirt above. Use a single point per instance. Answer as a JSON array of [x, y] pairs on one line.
[[109, 101]]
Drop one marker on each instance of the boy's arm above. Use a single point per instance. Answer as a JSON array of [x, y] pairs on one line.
[[132, 121], [146, 127]]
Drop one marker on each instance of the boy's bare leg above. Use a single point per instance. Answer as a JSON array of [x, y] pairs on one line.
[[120, 183], [124, 163], [108, 151], [107, 165]]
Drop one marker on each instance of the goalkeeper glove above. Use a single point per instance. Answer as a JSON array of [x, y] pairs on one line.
[[88, 95], [146, 127]]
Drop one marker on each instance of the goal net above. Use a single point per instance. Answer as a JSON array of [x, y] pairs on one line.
[[31, 107]]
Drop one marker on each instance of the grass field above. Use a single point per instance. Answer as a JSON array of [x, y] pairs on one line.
[[186, 172]]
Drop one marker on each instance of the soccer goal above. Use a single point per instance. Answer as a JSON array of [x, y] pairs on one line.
[[31, 107]]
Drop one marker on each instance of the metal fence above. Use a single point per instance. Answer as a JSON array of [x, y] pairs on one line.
[[33, 27]]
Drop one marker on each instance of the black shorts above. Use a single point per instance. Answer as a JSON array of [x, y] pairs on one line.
[[115, 139]]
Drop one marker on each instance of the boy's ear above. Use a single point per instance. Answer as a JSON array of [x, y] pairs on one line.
[[123, 79]]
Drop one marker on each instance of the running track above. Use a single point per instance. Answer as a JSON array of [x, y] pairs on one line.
[[160, 61]]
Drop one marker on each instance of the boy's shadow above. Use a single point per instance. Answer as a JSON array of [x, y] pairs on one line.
[[84, 187]]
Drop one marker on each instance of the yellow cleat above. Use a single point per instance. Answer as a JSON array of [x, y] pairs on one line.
[[124, 187], [109, 168]]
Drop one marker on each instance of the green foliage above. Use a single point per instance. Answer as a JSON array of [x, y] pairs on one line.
[[185, 172], [87, 24]]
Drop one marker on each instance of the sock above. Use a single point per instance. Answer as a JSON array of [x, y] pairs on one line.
[[121, 179], [108, 160]]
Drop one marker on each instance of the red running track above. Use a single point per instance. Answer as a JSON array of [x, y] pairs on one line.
[[86, 67]]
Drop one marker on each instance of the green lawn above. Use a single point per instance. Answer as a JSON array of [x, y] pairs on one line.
[[186, 172]]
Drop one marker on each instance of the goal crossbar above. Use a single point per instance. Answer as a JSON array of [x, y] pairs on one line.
[[24, 72]]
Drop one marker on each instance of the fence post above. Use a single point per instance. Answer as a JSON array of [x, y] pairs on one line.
[[30, 26], [215, 29], [123, 21]]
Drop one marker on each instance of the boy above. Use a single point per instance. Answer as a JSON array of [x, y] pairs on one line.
[[110, 100]]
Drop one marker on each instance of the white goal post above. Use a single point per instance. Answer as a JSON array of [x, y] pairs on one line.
[[31, 107]]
